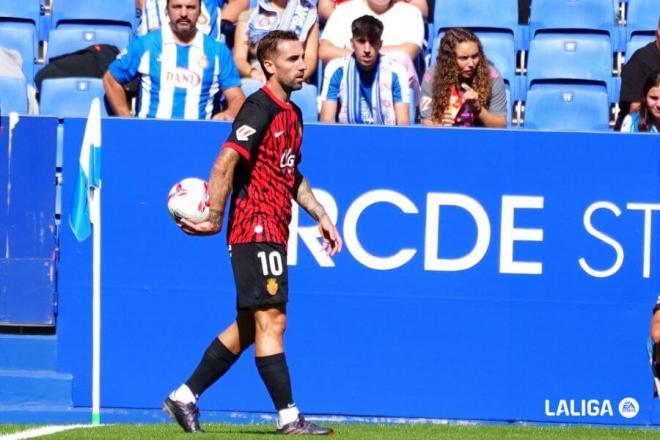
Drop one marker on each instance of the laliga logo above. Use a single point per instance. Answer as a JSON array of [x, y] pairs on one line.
[[183, 78], [628, 408]]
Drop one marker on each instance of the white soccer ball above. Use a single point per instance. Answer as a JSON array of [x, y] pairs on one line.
[[189, 199]]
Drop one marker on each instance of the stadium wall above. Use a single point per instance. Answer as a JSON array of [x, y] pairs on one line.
[[488, 275]]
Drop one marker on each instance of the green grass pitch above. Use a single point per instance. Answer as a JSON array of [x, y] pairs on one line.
[[354, 431]]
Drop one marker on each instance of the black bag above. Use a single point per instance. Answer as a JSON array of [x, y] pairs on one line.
[[90, 62]]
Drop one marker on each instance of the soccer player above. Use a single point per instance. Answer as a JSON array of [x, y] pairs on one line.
[[180, 70], [259, 165]]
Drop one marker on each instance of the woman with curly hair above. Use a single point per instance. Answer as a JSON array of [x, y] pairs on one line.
[[647, 118], [464, 89]]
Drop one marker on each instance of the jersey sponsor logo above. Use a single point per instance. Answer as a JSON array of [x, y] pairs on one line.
[[287, 160], [183, 78], [244, 132]]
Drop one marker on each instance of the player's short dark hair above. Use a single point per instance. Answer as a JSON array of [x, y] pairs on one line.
[[267, 48], [367, 27]]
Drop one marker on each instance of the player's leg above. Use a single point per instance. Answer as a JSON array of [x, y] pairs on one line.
[[270, 325], [220, 355]]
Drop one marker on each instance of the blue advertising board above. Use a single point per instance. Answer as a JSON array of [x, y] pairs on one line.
[[486, 274]]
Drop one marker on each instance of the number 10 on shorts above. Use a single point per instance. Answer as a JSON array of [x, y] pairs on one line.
[[271, 264]]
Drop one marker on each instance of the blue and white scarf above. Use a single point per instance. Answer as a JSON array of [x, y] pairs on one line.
[[298, 16], [351, 110]]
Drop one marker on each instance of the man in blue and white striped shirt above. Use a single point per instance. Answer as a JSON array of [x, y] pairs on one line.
[[181, 70]]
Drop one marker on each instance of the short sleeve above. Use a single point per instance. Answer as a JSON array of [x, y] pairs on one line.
[[426, 100], [497, 104], [248, 129], [125, 68], [400, 85], [332, 81]]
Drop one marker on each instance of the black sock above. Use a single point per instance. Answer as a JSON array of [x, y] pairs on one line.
[[216, 361], [275, 374]]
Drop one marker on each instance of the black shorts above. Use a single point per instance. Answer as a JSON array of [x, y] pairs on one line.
[[260, 274]]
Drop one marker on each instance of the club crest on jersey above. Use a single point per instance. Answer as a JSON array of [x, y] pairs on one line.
[[203, 62], [287, 160], [244, 132], [203, 19], [271, 286], [183, 78]]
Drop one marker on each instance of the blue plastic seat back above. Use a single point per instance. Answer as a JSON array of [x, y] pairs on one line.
[[642, 17], [580, 107], [574, 15], [13, 95], [21, 10], [73, 37], [476, 14], [70, 97], [570, 57], [121, 11]]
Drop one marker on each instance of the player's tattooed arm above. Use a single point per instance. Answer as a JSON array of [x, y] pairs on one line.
[[220, 184], [305, 198], [332, 242]]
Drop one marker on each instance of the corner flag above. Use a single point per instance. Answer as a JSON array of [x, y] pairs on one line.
[[89, 175], [85, 212]]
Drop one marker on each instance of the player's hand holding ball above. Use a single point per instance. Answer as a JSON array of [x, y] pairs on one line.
[[188, 204]]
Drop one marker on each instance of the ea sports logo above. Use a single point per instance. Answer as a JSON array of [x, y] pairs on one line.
[[628, 407]]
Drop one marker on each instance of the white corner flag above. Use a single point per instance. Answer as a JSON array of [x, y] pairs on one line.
[[85, 220], [89, 175]]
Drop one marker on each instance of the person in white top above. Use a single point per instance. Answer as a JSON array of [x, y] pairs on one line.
[[403, 28]]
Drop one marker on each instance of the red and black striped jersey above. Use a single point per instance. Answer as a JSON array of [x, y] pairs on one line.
[[267, 133]]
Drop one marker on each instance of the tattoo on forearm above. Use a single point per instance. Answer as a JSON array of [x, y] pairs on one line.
[[215, 216], [305, 198]]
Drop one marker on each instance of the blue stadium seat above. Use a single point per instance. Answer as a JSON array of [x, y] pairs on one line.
[[106, 11], [585, 57], [70, 97], [637, 42], [642, 17], [20, 37], [500, 52], [305, 98], [574, 15], [13, 95], [567, 107], [29, 10], [478, 15], [73, 37]]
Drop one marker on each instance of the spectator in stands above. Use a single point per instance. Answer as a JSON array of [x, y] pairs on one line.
[[327, 7], [639, 66], [180, 69], [403, 28], [366, 87], [299, 16], [464, 89], [647, 117], [217, 18]]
